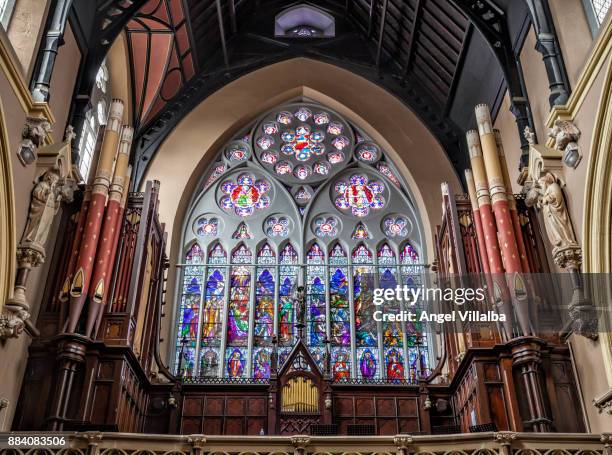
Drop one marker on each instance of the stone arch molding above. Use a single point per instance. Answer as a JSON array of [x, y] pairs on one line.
[[8, 236], [597, 224], [191, 147]]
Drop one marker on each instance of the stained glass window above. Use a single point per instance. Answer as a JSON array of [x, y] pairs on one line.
[[187, 334], [288, 281], [366, 327], [315, 297], [238, 311], [339, 300], [304, 200], [264, 312]]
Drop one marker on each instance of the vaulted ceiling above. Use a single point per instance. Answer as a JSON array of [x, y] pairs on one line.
[[181, 51]]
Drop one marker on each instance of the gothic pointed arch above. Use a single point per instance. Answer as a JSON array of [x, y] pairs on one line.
[[280, 206]]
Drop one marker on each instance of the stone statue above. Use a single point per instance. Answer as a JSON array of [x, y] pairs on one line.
[[43, 206], [556, 219]]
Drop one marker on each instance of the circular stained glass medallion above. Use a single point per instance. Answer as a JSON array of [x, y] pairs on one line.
[[314, 143]]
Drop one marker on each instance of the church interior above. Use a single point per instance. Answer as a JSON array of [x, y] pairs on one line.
[[215, 212]]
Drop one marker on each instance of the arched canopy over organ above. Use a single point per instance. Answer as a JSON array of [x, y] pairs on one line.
[[301, 197]]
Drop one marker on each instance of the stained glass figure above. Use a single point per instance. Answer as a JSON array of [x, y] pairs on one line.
[[264, 297], [393, 331], [208, 227], [326, 226], [288, 273], [394, 363], [368, 362], [361, 232], [235, 363], [188, 320], [315, 291], [360, 195], [277, 226], [209, 362], [238, 308], [366, 330], [395, 226], [284, 117], [245, 195], [341, 364], [338, 297], [261, 363], [242, 232], [385, 170]]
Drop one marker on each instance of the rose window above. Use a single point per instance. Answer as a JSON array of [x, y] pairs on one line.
[[245, 195], [359, 195], [303, 143]]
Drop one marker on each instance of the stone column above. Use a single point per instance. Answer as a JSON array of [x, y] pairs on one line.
[[98, 292], [87, 251]]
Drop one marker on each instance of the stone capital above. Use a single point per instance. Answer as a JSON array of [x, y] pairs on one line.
[[402, 441], [300, 441], [198, 441]]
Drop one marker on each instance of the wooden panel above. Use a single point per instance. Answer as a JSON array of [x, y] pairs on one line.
[[497, 406], [385, 407], [212, 425], [344, 406], [408, 407], [255, 425], [191, 425], [192, 406], [408, 425], [364, 406], [491, 372], [235, 406], [387, 427], [234, 425], [256, 407], [214, 406]]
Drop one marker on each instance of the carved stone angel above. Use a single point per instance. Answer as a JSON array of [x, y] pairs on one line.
[[44, 204], [564, 132]]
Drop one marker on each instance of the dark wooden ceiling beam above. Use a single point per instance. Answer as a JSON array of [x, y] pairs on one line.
[[222, 33], [381, 34], [415, 31]]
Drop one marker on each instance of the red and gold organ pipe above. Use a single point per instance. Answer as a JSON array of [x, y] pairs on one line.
[[520, 243], [99, 288], [497, 190], [93, 224]]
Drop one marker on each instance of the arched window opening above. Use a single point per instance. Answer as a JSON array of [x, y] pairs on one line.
[[95, 117], [304, 21], [300, 198]]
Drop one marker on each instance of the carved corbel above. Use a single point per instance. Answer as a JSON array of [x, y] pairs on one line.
[[300, 442], [56, 184], [402, 443], [565, 136], [32, 137], [505, 440], [543, 185]]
